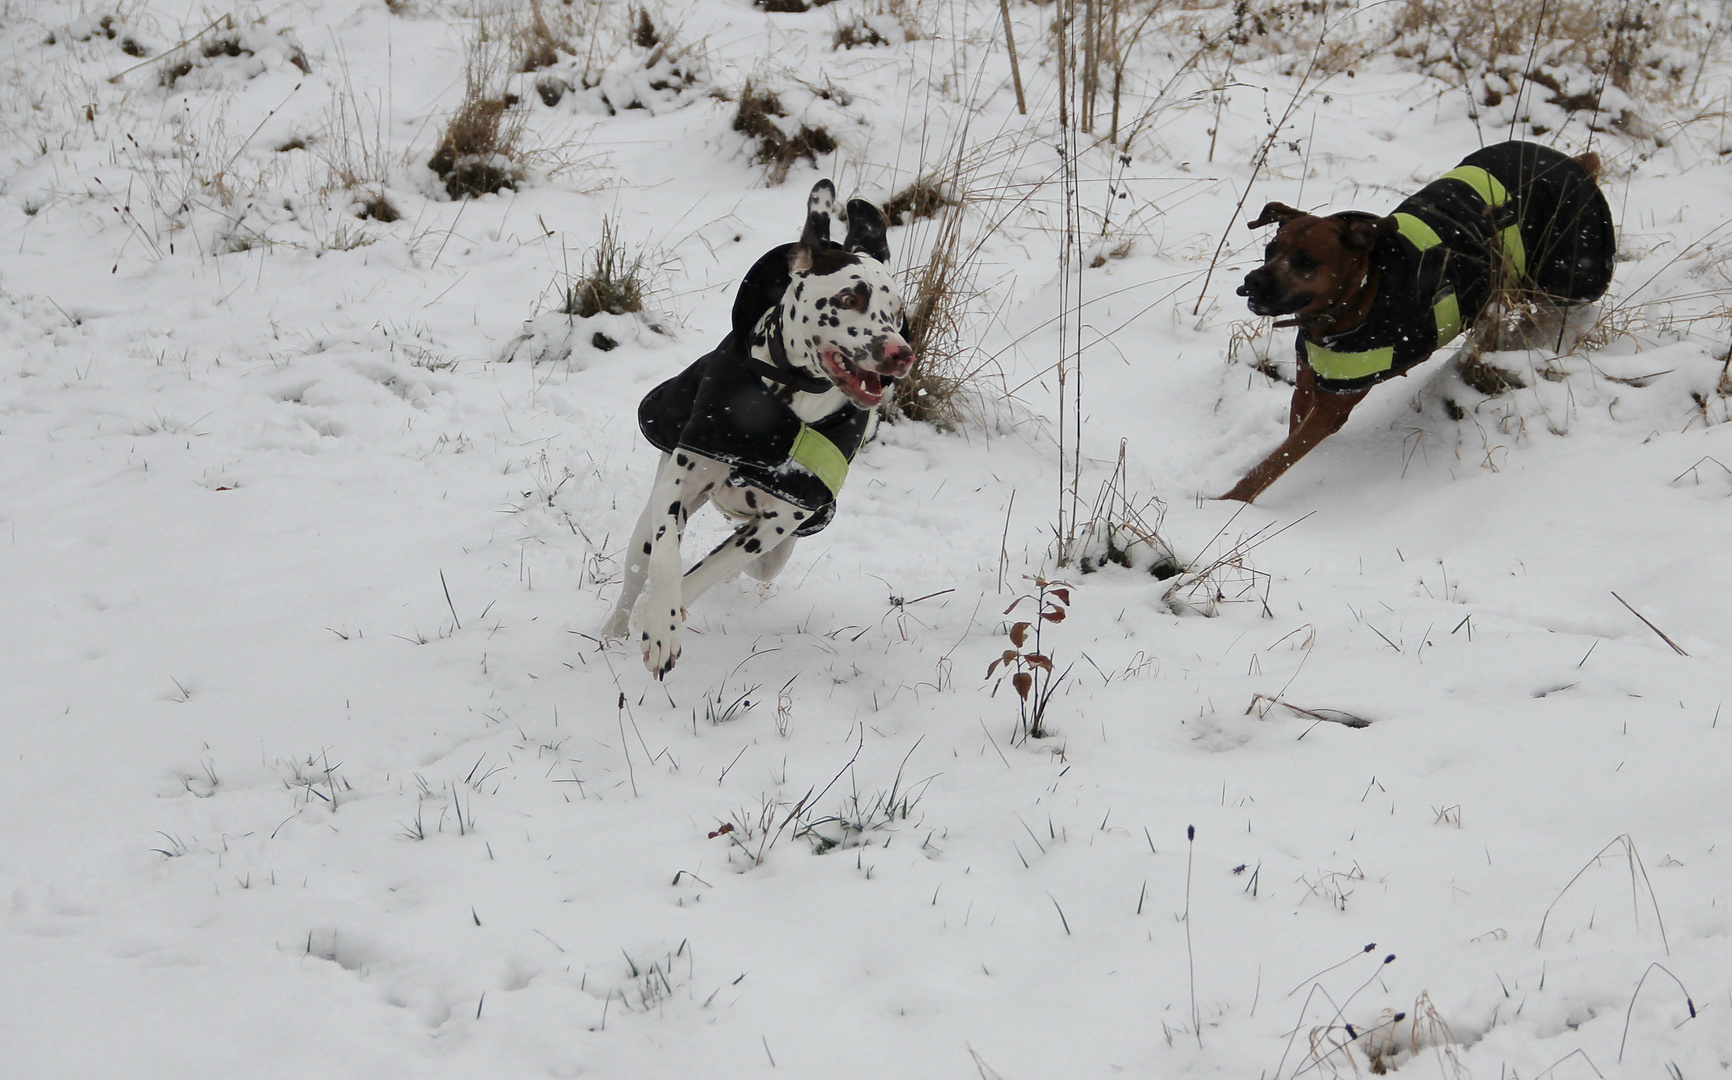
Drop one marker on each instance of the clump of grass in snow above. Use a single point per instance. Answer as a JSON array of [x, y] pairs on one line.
[[613, 282], [924, 198], [862, 815], [856, 33], [539, 44], [227, 43], [776, 150], [1573, 56], [945, 383], [1119, 530], [478, 151], [315, 778]]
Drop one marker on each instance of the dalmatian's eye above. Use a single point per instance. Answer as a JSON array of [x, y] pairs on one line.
[[850, 300]]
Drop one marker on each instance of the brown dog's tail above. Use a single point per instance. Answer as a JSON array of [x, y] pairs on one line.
[[1589, 161]]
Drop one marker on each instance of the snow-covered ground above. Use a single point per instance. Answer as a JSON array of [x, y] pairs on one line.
[[311, 765]]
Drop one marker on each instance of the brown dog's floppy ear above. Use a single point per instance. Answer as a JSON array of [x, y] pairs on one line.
[[1360, 234], [866, 228], [1274, 213], [819, 206]]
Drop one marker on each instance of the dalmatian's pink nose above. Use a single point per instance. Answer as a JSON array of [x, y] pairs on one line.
[[896, 359]]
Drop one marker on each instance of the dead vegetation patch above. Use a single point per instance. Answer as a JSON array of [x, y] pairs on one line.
[[644, 34], [1487, 378], [377, 206], [112, 27], [226, 44], [857, 33], [944, 387], [472, 158], [923, 198], [776, 150], [613, 283], [1531, 57], [540, 44], [478, 153]]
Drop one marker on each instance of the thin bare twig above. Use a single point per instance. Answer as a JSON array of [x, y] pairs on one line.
[[1651, 626]]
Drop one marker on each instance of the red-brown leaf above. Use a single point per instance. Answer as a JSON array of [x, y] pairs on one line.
[[1062, 594], [1019, 633], [1022, 680], [1055, 615]]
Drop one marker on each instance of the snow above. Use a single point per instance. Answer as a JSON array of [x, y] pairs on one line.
[[311, 766]]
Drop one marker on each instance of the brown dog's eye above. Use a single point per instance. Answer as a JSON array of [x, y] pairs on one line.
[[1303, 262]]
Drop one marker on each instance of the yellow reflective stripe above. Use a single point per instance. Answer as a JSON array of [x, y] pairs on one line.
[[1484, 184], [820, 457], [1493, 194], [1514, 250], [1329, 364], [1421, 235], [1447, 312]]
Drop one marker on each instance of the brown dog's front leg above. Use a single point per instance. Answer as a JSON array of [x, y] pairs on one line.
[[1322, 418]]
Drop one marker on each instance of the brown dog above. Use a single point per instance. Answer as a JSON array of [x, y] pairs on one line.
[[1374, 296]]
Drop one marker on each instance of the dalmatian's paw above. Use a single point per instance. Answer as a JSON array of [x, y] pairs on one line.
[[616, 626], [656, 624]]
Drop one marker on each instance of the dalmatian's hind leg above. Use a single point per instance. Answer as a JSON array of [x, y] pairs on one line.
[[771, 563]]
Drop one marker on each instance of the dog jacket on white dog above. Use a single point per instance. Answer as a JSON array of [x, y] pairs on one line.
[[719, 408]]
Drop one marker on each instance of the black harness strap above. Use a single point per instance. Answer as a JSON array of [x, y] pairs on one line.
[[783, 370]]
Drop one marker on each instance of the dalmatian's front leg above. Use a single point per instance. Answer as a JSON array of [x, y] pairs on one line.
[[760, 547], [651, 592], [637, 552], [636, 567]]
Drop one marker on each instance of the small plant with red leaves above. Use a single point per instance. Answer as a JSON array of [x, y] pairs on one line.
[[1032, 674]]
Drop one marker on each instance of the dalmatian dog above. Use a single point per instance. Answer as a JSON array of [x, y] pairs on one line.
[[764, 426]]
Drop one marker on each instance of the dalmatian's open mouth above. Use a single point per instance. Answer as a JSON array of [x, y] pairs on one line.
[[864, 388]]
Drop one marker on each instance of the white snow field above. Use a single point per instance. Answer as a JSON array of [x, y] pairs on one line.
[[311, 766]]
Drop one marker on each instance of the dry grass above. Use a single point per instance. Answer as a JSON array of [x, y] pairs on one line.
[[355, 150], [941, 295], [478, 151], [1124, 530], [777, 151], [538, 42], [924, 198], [856, 33], [614, 282], [1572, 55]]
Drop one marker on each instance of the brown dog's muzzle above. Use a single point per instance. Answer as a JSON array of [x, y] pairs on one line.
[[1262, 294]]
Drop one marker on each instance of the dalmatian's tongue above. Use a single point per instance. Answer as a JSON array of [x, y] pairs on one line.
[[865, 388]]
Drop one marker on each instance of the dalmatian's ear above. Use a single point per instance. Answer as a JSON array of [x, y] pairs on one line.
[[866, 228], [819, 206]]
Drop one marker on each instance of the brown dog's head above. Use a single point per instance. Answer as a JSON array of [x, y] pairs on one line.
[[1317, 269]]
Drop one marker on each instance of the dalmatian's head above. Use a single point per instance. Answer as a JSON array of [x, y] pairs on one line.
[[842, 312]]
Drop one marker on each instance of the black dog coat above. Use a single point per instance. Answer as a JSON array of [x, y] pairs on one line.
[[719, 408], [1515, 207]]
